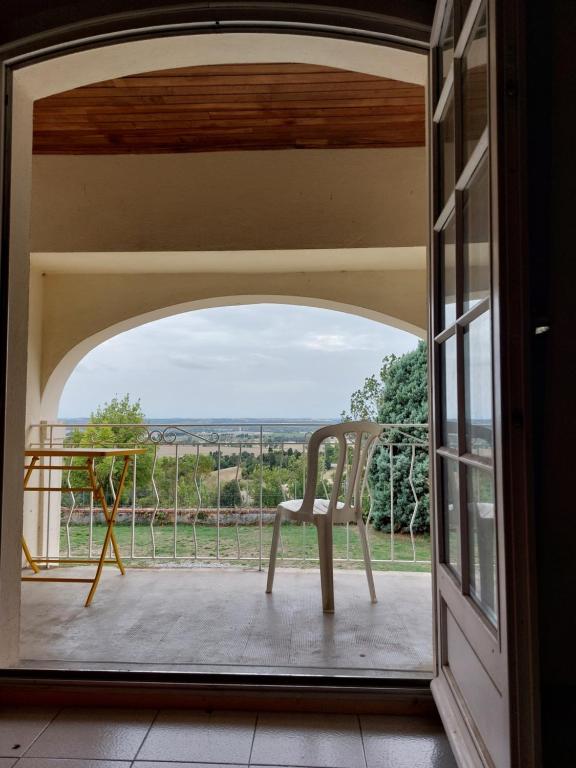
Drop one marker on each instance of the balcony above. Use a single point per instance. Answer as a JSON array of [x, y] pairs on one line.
[[194, 529]]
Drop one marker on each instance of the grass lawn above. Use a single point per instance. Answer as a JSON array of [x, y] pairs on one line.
[[242, 542]]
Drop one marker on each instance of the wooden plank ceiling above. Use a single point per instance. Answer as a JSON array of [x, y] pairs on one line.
[[231, 107]]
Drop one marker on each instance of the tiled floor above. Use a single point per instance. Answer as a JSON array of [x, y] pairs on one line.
[[77, 738], [214, 619]]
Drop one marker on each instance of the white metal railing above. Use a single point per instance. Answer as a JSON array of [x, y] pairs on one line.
[[208, 493]]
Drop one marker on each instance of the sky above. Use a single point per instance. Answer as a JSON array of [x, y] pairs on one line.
[[253, 361]]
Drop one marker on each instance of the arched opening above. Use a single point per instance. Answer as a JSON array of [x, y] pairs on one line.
[[368, 259]]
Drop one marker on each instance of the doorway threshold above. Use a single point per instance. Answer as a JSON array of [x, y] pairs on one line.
[[216, 670], [292, 692]]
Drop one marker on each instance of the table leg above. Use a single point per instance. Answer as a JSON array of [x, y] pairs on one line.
[[27, 553], [28, 556], [110, 516], [99, 493]]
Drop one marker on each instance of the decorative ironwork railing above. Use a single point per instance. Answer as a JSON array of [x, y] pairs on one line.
[[207, 493]]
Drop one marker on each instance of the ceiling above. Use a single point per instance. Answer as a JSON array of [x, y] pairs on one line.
[[231, 107]]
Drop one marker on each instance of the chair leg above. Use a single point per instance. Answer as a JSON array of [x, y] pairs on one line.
[[273, 551], [326, 555], [367, 563]]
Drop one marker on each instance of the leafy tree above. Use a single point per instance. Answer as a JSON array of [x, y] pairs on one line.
[[405, 383], [248, 460], [398, 394], [230, 496], [272, 481], [125, 416], [404, 401], [120, 412], [365, 402]]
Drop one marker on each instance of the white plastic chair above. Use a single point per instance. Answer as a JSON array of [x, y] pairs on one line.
[[324, 513]]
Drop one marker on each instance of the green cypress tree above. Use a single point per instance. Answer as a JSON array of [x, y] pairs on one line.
[[403, 400]]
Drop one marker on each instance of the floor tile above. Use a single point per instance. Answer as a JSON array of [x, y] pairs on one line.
[[200, 737], [19, 727], [58, 762], [7, 762], [161, 764], [314, 741], [103, 734], [405, 742]]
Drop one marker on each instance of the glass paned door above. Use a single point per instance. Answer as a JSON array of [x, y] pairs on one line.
[[475, 88], [482, 540], [449, 393], [447, 254], [471, 676], [451, 516], [476, 236], [477, 364]]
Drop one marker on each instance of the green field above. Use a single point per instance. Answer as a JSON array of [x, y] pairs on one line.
[[238, 545]]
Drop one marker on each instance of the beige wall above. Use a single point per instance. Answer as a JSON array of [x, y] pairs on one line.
[[230, 200], [346, 227], [35, 341], [33, 394]]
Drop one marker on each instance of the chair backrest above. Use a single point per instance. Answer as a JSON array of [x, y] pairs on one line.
[[365, 436]]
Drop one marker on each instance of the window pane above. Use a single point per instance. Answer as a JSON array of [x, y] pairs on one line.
[[451, 515], [446, 133], [482, 539], [474, 89], [476, 235], [449, 393], [478, 386], [448, 274], [446, 44]]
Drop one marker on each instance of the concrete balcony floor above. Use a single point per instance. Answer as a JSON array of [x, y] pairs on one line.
[[220, 619]]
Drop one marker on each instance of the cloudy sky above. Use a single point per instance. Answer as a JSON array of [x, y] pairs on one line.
[[265, 360]]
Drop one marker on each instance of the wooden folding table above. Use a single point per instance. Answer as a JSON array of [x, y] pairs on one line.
[[34, 463]]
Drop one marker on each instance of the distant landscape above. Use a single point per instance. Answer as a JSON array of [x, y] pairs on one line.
[[204, 421], [275, 429]]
